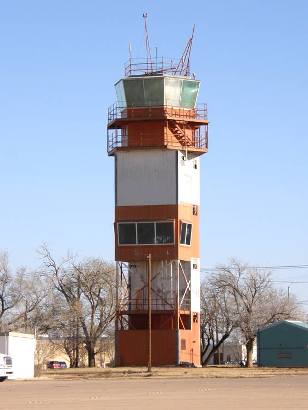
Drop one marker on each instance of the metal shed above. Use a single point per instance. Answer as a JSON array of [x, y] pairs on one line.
[[283, 344]]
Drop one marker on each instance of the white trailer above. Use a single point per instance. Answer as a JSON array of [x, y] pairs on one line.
[[21, 348], [6, 369]]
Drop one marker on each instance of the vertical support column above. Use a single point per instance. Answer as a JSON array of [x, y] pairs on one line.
[[149, 313], [177, 312], [116, 335]]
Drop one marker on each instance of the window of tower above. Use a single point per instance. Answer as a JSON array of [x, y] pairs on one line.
[[185, 233], [146, 233], [164, 232], [127, 233], [189, 93]]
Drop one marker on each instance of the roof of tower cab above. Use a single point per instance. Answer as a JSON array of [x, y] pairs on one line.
[[158, 66]]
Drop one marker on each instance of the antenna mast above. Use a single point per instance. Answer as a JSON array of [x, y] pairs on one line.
[[183, 67], [130, 50], [147, 41]]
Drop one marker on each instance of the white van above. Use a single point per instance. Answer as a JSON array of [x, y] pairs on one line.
[[6, 367]]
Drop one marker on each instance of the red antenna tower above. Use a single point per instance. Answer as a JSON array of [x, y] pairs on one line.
[[183, 67]]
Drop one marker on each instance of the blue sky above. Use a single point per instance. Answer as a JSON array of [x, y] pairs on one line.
[[59, 61]]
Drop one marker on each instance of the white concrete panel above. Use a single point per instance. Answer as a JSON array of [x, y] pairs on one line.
[[164, 285], [195, 285], [137, 280], [188, 179], [146, 177]]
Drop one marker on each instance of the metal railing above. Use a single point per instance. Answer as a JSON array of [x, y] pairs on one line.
[[120, 111], [118, 138], [154, 66], [158, 304]]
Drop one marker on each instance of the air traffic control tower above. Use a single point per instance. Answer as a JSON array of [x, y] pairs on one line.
[[156, 134]]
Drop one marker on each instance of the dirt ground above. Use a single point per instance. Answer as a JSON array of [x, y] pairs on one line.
[[274, 392]]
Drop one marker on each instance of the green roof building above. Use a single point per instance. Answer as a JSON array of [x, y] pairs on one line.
[[283, 344]]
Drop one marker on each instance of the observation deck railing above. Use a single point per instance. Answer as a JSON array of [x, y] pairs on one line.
[[158, 304], [120, 112], [155, 66], [118, 138]]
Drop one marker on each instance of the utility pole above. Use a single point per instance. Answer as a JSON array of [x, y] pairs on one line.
[[149, 314], [77, 307]]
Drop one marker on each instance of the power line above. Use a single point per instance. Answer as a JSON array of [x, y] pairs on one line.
[[275, 267], [288, 281], [291, 282]]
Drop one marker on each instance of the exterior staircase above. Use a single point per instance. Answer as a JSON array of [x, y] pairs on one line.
[[179, 133]]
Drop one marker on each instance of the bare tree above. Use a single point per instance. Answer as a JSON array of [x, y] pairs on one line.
[[218, 319], [64, 332], [64, 301], [20, 295], [256, 300], [88, 290], [32, 291], [97, 302], [9, 295]]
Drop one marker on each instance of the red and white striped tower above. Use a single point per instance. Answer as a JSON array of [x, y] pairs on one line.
[[156, 133]]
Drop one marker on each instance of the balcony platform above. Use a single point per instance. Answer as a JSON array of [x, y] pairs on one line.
[[119, 115]]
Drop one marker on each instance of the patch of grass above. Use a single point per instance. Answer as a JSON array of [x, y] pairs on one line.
[[172, 372]]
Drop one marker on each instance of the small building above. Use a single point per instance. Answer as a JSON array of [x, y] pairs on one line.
[[231, 352], [283, 344], [21, 347]]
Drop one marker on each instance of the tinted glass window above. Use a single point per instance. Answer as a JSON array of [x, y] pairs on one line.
[[120, 94], [164, 232], [153, 91], [145, 232], [127, 233], [173, 87], [189, 93], [185, 233], [134, 92], [188, 234]]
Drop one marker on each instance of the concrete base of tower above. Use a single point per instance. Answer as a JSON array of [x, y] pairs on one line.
[[133, 347], [169, 347]]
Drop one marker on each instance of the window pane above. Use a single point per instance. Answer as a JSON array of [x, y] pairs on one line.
[[153, 91], [127, 233], [164, 232], [173, 88], [189, 93], [183, 233], [188, 234], [134, 92], [145, 232], [120, 93]]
